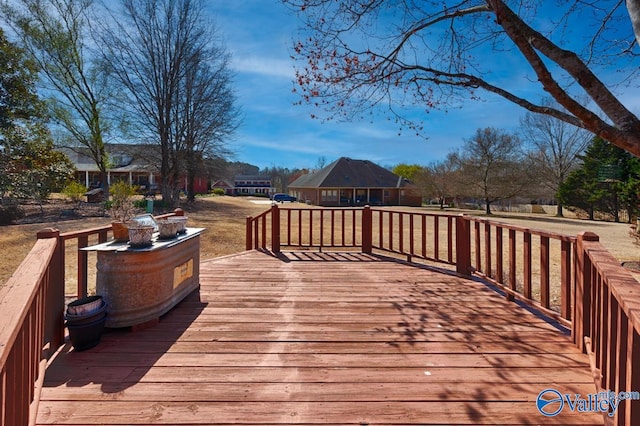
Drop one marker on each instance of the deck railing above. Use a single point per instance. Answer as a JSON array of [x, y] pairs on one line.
[[595, 296], [607, 324], [31, 328], [573, 280], [32, 304]]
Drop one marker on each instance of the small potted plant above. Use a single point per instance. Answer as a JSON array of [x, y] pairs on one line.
[[121, 208]]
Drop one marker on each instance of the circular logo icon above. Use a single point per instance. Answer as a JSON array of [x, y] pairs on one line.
[[549, 402]]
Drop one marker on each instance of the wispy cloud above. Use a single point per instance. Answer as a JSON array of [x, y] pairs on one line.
[[265, 66]]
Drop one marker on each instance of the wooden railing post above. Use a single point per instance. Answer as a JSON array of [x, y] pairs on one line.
[[275, 228], [367, 230], [581, 323], [54, 312], [463, 245], [249, 233]]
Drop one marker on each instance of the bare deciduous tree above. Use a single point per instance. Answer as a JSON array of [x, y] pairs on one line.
[[162, 54], [433, 53], [56, 34], [442, 176], [206, 110], [490, 167], [557, 147]]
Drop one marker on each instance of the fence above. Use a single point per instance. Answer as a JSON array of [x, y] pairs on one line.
[[572, 280], [32, 303], [597, 298]]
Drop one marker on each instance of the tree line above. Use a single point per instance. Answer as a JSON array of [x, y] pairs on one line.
[[589, 176], [150, 71]]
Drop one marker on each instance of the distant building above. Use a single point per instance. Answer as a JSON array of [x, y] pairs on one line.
[[252, 185], [224, 185], [349, 182], [137, 165]]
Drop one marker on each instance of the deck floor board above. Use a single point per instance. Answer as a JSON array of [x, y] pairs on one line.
[[323, 338]]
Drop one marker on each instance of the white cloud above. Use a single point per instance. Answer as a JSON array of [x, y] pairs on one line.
[[266, 66]]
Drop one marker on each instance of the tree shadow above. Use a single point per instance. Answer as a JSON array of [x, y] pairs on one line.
[[124, 355]]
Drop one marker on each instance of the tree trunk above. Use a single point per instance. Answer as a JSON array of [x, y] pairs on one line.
[[488, 209], [559, 210], [633, 7]]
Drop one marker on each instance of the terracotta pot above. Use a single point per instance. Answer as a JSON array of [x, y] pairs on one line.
[[120, 231]]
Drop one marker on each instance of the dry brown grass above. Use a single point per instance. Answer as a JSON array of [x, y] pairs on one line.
[[224, 219]]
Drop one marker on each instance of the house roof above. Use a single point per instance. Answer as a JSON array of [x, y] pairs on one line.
[[125, 158], [252, 177], [349, 173]]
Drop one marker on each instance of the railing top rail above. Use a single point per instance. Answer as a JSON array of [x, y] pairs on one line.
[[260, 216], [533, 231], [624, 287], [84, 232], [325, 208], [18, 293]]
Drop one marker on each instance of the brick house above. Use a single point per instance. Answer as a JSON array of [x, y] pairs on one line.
[[138, 165], [349, 182]]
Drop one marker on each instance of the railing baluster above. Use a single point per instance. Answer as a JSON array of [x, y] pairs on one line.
[[310, 228], [321, 228], [424, 237], [478, 250], [565, 279], [390, 231], [450, 239], [342, 228], [526, 291], [499, 255], [487, 248], [333, 225], [288, 227], [300, 227], [401, 232], [513, 284], [83, 256], [545, 299]]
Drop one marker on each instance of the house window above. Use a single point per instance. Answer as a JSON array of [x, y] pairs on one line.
[[330, 195]]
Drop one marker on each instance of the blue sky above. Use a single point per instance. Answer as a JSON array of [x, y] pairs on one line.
[[275, 132]]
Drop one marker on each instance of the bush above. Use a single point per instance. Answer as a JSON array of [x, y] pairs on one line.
[[217, 191], [140, 204], [74, 190], [9, 214], [121, 206]]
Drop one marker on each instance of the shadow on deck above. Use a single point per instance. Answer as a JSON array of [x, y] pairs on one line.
[[323, 338]]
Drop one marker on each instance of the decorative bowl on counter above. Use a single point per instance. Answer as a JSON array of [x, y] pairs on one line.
[[140, 235], [168, 228], [182, 221]]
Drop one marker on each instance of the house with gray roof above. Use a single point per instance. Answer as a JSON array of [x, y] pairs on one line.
[[136, 164], [350, 182]]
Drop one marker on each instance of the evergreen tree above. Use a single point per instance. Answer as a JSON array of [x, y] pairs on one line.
[[606, 182]]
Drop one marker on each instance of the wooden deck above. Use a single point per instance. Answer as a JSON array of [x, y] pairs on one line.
[[323, 338]]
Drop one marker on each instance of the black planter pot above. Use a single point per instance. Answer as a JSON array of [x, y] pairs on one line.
[[85, 330], [86, 336], [85, 305], [89, 317]]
